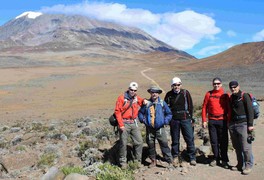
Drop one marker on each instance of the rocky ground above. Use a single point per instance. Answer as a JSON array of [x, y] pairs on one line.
[[33, 150]]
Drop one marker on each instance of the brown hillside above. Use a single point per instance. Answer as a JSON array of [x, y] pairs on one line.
[[239, 55]]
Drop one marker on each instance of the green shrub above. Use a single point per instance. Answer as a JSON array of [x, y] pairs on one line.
[[71, 169], [47, 159], [20, 148], [83, 146], [110, 172]]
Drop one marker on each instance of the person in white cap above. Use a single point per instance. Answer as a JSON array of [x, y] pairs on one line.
[[126, 112], [181, 105], [155, 115]]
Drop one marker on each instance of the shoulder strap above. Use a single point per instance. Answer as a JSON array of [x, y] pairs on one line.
[[186, 103], [210, 92], [127, 107]]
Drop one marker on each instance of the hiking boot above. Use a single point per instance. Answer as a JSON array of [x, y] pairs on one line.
[[225, 165], [247, 170], [176, 162], [153, 163], [193, 163], [213, 163], [170, 166], [235, 168]]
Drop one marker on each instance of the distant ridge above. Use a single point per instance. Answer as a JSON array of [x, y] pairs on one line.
[[32, 31], [239, 55]]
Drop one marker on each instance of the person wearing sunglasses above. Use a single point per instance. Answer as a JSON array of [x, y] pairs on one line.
[[126, 112], [215, 114], [180, 102], [240, 126]]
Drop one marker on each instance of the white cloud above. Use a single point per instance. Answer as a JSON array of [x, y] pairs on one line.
[[181, 30], [259, 36], [211, 50], [231, 33]]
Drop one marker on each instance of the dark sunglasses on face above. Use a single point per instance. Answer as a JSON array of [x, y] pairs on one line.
[[133, 90], [176, 84], [234, 87], [216, 83]]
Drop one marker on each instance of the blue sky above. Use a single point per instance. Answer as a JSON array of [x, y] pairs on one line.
[[199, 27]]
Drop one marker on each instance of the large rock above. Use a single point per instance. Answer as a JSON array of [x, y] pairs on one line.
[[75, 176]]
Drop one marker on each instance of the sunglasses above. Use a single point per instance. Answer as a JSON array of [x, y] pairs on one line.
[[176, 84], [133, 90], [234, 87], [216, 83]]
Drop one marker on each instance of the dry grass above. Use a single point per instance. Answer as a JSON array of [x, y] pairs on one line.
[[83, 84]]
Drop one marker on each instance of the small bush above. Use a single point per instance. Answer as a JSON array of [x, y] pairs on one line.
[[110, 172], [83, 146], [71, 169], [47, 159], [20, 148]]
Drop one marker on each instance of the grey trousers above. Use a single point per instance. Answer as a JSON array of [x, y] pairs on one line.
[[239, 135], [161, 136], [133, 131]]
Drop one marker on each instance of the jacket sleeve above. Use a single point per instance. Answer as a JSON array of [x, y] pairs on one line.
[[167, 113], [190, 103], [249, 109], [228, 107], [140, 100], [142, 114], [204, 108], [118, 110]]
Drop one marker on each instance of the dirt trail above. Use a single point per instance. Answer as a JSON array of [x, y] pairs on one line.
[[149, 78]]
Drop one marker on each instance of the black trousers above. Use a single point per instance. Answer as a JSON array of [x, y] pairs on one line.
[[218, 132]]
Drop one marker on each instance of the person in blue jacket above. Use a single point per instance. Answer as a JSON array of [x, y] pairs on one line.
[[155, 114]]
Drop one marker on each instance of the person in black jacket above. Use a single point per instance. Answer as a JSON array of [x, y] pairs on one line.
[[240, 127], [180, 102]]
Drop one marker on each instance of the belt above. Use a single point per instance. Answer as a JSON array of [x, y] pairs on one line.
[[211, 115], [240, 117], [129, 121]]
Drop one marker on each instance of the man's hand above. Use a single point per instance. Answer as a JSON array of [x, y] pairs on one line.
[[250, 128], [122, 128], [204, 124]]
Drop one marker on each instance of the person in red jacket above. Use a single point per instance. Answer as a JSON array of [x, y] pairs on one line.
[[126, 112], [215, 108]]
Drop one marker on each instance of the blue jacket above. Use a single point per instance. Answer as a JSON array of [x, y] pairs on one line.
[[163, 114]]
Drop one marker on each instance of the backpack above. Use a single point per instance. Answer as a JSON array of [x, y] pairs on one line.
[[255, 104], [112, 119]]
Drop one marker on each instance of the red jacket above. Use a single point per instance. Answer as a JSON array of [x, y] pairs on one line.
[[215, 105], [131, 113]]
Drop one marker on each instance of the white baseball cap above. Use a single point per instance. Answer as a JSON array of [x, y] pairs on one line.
[[176, 80], [133, 86]]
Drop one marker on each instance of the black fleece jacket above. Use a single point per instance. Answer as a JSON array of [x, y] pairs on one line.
[[241, 107], [178, 107]]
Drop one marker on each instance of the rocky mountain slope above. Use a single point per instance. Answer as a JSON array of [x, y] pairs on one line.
[[64, 32]]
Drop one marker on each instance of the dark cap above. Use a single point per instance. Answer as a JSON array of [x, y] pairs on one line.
[[154, 89], [217, 78], [233, 84]]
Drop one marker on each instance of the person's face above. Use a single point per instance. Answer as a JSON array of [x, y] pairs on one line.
[[217, 85], [176, 86], [234, 89], [132, 92], [154, 96]]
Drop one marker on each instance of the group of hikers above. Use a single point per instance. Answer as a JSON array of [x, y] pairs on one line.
[[220, 112]]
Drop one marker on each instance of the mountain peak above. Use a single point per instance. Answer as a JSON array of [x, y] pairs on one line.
[[30, 14]]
